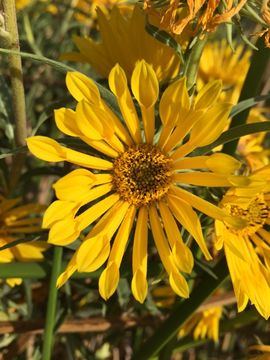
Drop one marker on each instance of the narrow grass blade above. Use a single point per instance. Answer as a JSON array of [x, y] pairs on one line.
[[52, 304]]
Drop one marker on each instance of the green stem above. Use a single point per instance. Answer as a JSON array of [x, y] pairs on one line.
[[18, 97], [250, 89], [183, 312], [51, 307], [194, 61]]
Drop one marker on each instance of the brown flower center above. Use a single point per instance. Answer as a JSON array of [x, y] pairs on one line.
[[142, 174], [255, 214]]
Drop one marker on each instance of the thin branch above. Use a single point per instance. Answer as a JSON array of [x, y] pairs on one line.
[[18, 97]]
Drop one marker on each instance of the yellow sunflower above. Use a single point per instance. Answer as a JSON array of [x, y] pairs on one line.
[[85, 11], [251, 147], [136, 180], [218, 61], [14, 221], [124, 40], [90, 7], [247, 250], [216, 57]]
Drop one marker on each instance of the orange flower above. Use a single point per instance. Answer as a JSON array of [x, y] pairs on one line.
[[205, 13], [266, 17]]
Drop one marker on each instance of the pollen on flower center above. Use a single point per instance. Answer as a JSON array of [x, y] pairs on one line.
[[255, 214], [142, 174]]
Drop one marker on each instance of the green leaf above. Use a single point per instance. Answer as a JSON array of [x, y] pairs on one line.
[[48, 336], [21, 149], [34, 270], [246, 104], [43, 170], [229, 35], [49, 111], [205, 267], [17, 242], [234, 134], [165, 38], [24, 270]]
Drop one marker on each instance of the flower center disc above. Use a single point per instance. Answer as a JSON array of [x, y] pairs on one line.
[[255, 214], [142, 174]]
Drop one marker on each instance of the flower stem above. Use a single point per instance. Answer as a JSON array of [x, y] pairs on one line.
[[194, 61], [51, 307], [18, 97]]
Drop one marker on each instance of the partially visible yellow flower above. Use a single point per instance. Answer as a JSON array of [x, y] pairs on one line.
[[124, 40], [90, 8], [247, 250], [141, 177], [20, 4], [265, 13], [204, 324], [14, 221], [219, 62], [251, 147]]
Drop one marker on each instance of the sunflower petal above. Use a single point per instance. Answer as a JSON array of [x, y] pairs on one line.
[[139, 285], [45, 148], [92, 121], [222, 163], [144, 84], [58, 210], [174, 101], [82, 88], [211, 125], [66, 121], [64, 232], [202, 179], [70, 269], [118, 85], [75, 185], [179, 284], [186, 216], [108, 281], [92, 253], [208, 94]]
